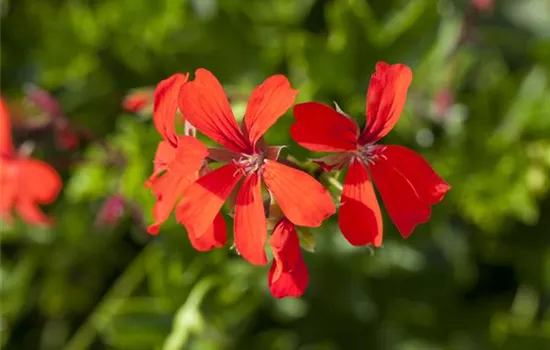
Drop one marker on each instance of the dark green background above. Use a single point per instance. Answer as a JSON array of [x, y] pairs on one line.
[[477, 276]]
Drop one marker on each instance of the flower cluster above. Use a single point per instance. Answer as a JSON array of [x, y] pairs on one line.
[[183, 178]]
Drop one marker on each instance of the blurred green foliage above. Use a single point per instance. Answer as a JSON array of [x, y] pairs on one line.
[[477, 276]]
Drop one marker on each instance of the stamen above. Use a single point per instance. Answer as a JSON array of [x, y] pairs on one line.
[[248, 164], [240, 168], [370, 153]]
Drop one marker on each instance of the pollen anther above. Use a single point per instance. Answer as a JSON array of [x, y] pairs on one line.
[[248, 164]]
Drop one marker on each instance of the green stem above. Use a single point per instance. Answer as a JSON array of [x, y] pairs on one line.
[[334, 182], [188, 319], [112, 301]]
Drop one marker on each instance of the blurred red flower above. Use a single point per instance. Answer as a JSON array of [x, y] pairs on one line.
[[138, 100], [303, 200], [111, 211], [484, 5], [25, 183], [406, 182]]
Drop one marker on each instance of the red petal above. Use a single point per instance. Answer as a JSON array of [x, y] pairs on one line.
[[403, 205], [181, 165], [8, 188], [190, 154], [268, 102], [322, 129], [429, 186], [166, 104], [288, 276], [250, 227], [6, 146], [39, 181], [385, 100], [284, 242], [184, 159], [290, 283], [204, 104], [163, 156], [168, 190], [303, 200], [360, 218], [203, 200], [214, 237], [31, 213], [7, 201]]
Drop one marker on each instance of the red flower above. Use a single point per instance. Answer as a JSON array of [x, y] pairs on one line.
[[111, 211], [25, 183], [303, 200], [288, 276], [406, 182], [67, 138], [177, 162], [138, 100]]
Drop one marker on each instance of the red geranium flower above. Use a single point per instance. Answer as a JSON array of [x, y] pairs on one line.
[[406, 182], [25, 182], [303, 200], [178, 161]]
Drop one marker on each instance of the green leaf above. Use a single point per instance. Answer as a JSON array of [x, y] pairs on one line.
[[307, 239]]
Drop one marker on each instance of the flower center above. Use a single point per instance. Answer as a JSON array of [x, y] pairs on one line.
[[249, 163], [369, 153]]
